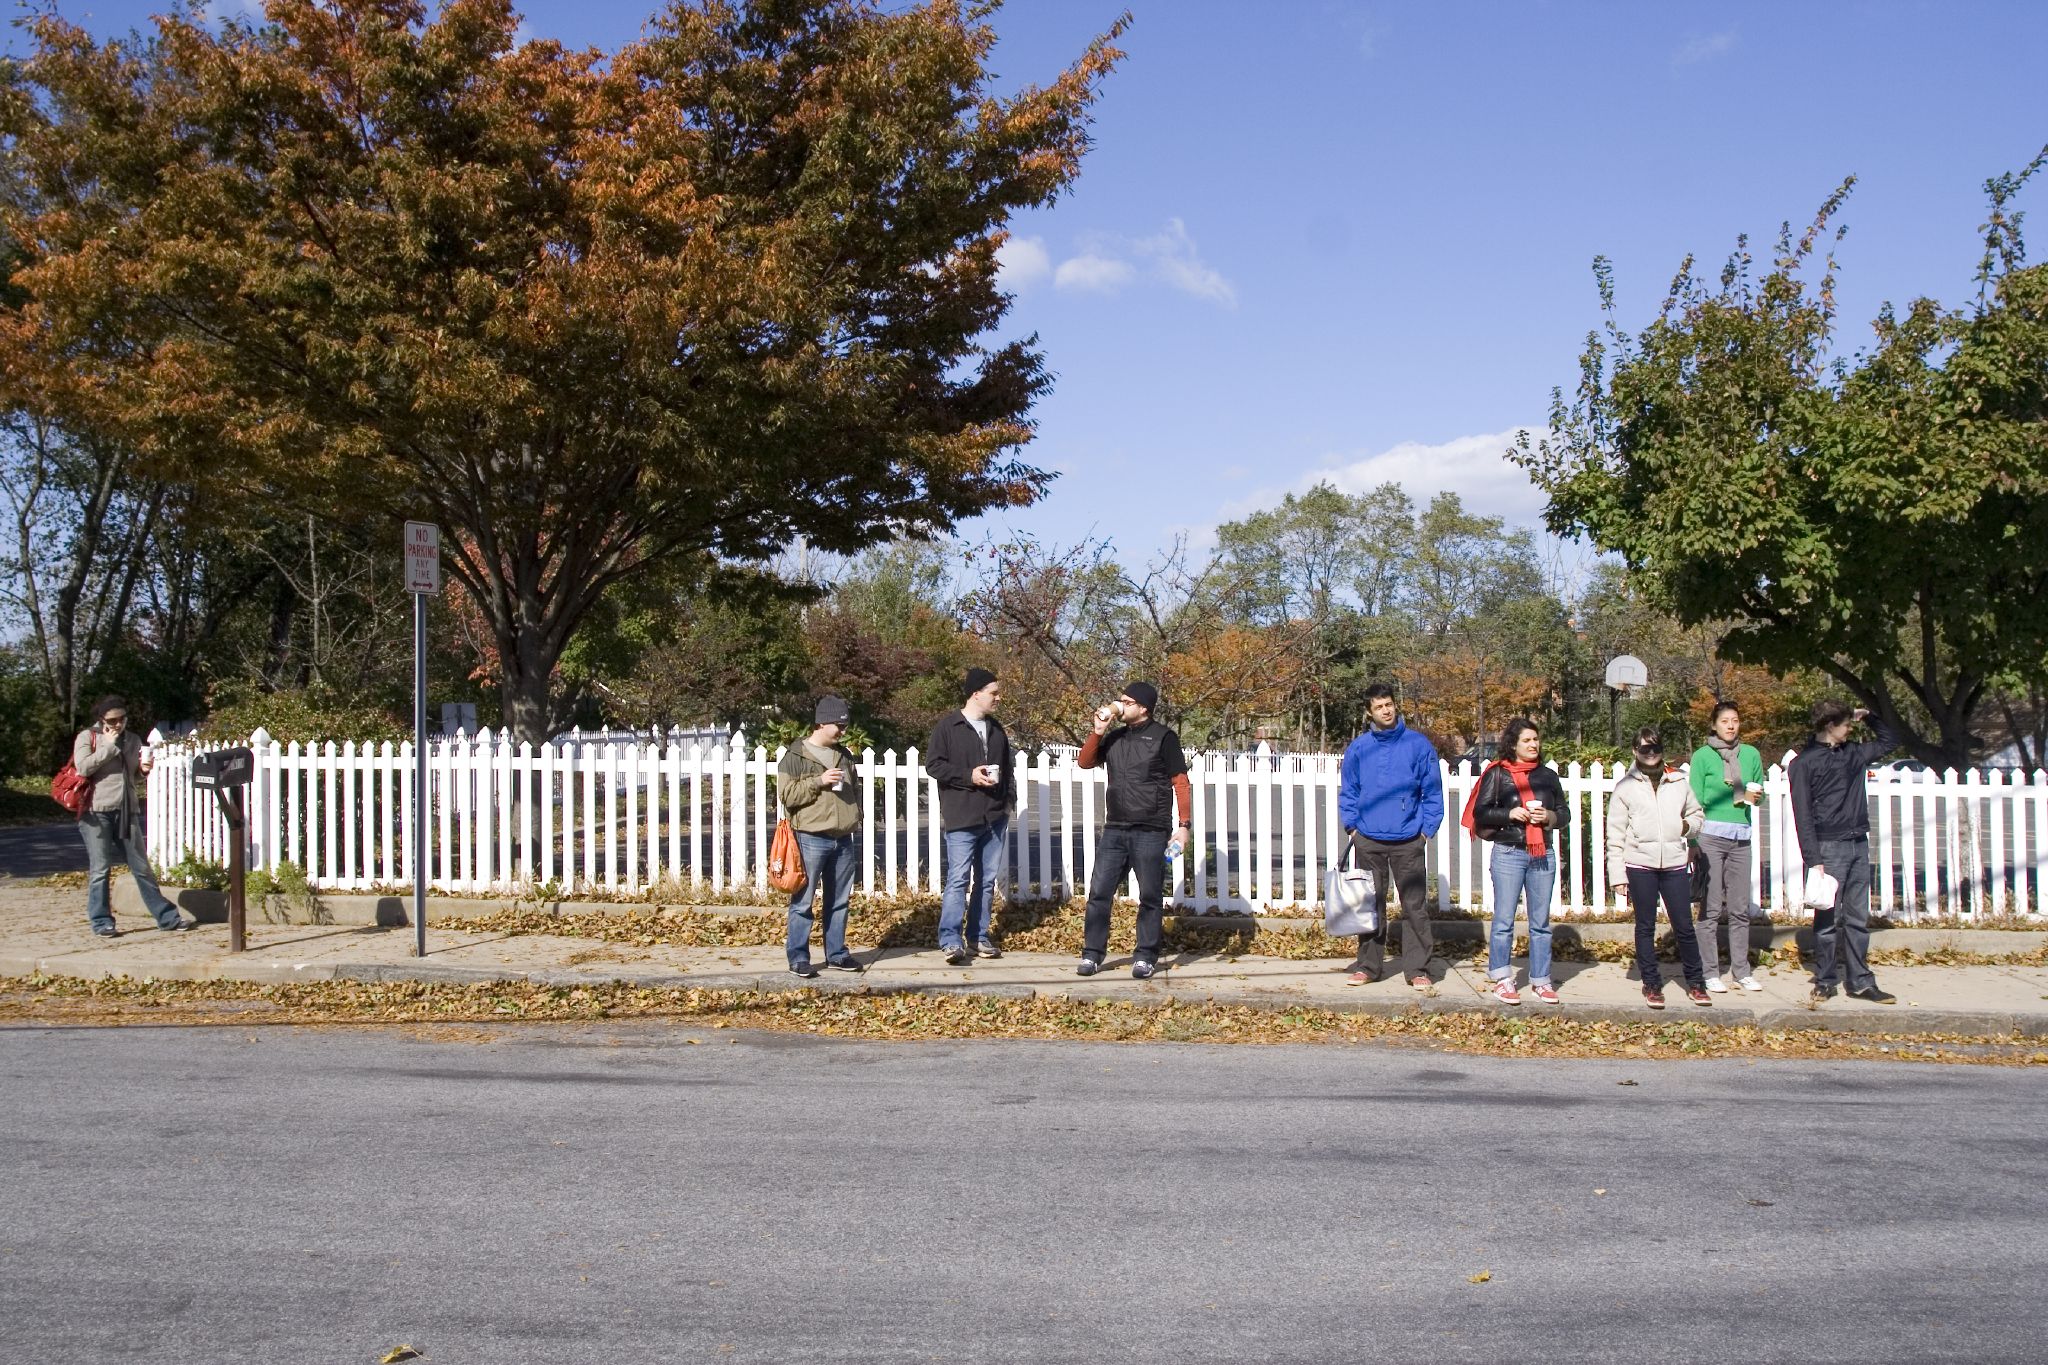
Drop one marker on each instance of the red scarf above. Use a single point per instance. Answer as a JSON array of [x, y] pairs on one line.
[[1520, 773]]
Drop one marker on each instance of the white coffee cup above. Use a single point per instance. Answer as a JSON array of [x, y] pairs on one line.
[[144, 755], [1535, 806]]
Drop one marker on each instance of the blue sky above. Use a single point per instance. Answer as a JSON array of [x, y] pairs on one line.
[[1352, 240]]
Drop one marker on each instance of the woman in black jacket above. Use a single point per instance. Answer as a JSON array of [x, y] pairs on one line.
[[1517, 806]]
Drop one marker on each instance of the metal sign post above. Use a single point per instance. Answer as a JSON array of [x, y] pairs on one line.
[[422, 580]]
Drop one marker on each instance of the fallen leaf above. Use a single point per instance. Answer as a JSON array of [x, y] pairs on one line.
[[1599, 1191], [1760, 1204], [1628, 1082], [1481, 1278], [398, 1353]]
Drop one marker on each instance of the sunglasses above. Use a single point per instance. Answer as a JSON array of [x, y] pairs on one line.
[[1647, 749]]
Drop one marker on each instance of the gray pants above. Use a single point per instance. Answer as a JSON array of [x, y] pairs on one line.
[[1842, 935], [1728, 897]]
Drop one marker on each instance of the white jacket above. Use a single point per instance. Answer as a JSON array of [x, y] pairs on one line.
[[1647, 826]]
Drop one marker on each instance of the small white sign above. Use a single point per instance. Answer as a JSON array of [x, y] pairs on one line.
[[422, 557]]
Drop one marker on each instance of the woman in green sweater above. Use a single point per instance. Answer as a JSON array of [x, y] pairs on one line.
[[1728, 778]]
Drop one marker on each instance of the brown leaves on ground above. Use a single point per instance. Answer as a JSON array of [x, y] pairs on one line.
[[70, 1000]]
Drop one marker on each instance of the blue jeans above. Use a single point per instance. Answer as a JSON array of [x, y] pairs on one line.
[[1119, 852], [1515, 875], [828, 880], [110, 838], [976, 856]]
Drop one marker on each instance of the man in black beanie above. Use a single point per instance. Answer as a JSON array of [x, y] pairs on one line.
[[970, 758], [1148, 779]]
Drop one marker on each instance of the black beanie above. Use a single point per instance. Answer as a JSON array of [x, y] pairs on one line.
[[1143, 693], [976, 679]]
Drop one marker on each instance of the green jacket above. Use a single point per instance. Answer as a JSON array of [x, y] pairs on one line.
[[813, 808], [1710, 782]]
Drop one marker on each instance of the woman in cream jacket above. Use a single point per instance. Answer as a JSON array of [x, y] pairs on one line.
[[1650, 819]]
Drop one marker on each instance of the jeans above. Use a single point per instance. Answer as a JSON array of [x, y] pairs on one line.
[[828, 879], [1841, 936], [109, 838], [973, 856], [1674, 885], [1515, 875], [1122, 850], [1727, 863], [1402, 866]]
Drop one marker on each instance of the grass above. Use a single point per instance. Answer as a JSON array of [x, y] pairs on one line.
[[26, 801]]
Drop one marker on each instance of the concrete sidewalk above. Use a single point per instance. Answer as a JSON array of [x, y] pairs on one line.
[[44, 930]]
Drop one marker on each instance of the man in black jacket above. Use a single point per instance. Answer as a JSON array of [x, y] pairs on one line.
[[1831, 810], [1148, 779], [970, 758]]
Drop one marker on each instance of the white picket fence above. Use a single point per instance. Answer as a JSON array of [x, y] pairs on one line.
[[505, 818]]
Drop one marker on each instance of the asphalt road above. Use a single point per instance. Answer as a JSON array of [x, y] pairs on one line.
[[621, 1194], [39, 850]]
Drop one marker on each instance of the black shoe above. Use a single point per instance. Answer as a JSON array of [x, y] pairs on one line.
[[1142, 971], [958, 956], [1087, 966], [1875, 994], [846, 964], [987, 948], [1821, 995], [803, 969], [106, 931]]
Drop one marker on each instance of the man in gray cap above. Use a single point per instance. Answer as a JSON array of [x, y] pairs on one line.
[[970, 758], [1148, 780], [816, 782]]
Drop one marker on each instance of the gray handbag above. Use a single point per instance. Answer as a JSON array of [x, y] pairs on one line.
[[1351, 901]]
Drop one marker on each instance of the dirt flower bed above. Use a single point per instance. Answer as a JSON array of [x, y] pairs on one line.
[[71, 1001]]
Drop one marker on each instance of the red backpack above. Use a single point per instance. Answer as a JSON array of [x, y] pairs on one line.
[[69, 790]]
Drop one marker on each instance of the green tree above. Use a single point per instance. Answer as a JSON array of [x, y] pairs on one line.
[[590, 312], [1882, 519]]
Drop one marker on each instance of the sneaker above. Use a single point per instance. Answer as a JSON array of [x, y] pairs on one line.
[[846, 964], [987, 948], [1420, 981], [183, 926], [1359, 978], [1821, 995], [1142, 971], [958, 956], [106, 931], [1698, 996], [1546, 993], [1714, 985], [1087, 966], [1653, 996], [803, 969], [1504, 991], [1750, 983], [1875, 994]]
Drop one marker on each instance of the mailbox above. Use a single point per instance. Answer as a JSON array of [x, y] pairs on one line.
[[223, 768]]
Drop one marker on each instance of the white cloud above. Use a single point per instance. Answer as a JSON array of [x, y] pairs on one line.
[[1104, 274], [1022, 262], [1698, 48], [1175, 260], [1474, 467]]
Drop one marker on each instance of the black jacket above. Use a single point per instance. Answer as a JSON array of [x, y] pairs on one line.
[[1143, 760], [1830, 789], [1497, 796], [954, 753]]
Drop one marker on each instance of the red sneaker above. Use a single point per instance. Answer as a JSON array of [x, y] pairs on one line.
[[1504, 991], [1547, 994], [1653, 996], [1698, 996], [1358, 979]]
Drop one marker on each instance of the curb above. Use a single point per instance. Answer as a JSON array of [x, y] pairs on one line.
[[1875, 1020]]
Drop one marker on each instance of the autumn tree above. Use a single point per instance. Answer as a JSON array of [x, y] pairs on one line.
[[592, 312], [1882, 519]]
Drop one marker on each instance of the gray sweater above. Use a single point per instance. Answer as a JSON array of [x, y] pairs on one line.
[[114, 767]]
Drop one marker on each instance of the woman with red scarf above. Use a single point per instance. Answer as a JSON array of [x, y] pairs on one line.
[[1516, 806]]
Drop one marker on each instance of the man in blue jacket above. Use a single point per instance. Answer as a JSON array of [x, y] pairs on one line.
[[1391, 798]]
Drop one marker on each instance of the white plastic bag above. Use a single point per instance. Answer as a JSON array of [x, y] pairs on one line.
[[1821, 889]]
